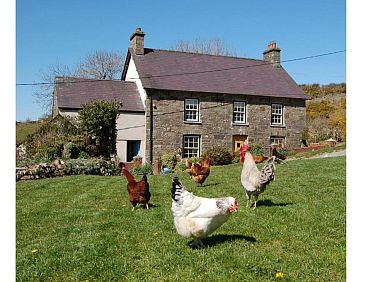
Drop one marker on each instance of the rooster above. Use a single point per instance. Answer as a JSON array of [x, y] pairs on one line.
[[199, 171], [197, 217], [138, 191], [254, 180]]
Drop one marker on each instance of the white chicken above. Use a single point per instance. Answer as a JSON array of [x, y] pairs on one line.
[[254, 180], [197, 217]]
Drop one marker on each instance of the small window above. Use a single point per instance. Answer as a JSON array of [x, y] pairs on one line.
[[239, 112], [191, 110], [278, 141], [191, 146], [277, 114]]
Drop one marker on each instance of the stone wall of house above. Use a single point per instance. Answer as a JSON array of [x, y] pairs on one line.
[[216, 127]]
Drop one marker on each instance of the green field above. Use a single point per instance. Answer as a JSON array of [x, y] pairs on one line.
[[81, 228]]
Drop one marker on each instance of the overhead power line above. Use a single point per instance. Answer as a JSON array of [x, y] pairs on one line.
[[88, 80]]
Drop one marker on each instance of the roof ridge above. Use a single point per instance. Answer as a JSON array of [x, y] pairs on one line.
[[92, 79], [203, 54]]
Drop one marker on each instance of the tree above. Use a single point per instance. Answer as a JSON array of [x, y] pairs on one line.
[[214, 46], [101, 65], [43, 93], [98, 119], [98, 65]]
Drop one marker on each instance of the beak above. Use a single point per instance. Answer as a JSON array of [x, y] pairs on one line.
[[234, 208]]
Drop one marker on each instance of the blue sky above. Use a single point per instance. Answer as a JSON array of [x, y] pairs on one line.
[[50, 32]]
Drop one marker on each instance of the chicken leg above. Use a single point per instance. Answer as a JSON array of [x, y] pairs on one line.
[[255, 200]]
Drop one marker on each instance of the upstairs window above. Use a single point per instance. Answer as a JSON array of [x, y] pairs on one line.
[[191, 146], [191, 110], [277, 114], [239, 112]]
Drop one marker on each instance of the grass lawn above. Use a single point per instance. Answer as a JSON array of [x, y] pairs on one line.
[[81, 228]]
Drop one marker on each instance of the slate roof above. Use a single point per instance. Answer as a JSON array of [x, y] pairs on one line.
[[174, 70], [73, 92]]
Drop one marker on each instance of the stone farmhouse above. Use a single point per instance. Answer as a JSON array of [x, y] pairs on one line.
[[186, 103]]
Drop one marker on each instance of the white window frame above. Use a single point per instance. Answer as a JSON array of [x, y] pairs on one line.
[[191, 110], [240, 111], [277, 116], [279, 141], [191, 146]]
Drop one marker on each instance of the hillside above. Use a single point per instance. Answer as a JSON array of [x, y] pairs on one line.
[[325, 112], [23, 129]]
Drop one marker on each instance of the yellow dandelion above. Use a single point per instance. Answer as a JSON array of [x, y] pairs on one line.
[[279, 274], [34, 251]]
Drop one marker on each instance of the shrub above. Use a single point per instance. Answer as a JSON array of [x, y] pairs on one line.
[[282, 151], [256, 149], [50, 136], [71, 151], [169, 160], [219, 155], [47, 151], [235, 157], [182, 166], [83, 155], [145, 168], [89, 167], [98, 119]]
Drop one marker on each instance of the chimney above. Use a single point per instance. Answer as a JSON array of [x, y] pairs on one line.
[[272, 55], [137, 41]]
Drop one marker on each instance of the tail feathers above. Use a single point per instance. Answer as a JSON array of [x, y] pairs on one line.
[[144, 177], [177, 189], [267, 172]]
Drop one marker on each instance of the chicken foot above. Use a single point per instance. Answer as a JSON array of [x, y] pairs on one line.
[[197, 243]]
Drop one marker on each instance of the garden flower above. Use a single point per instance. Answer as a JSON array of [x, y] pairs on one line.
[[34, 251], [279, 274]]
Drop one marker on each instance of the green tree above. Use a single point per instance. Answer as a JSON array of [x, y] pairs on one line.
[[98, 120]]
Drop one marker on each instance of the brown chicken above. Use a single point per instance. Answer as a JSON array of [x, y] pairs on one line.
[[138, 191], [199, 171], [278, 155], [259, 159]]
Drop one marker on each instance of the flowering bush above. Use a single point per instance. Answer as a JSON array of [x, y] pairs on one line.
[[219, 155]]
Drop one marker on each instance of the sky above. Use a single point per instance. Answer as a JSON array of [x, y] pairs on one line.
[[65, 32]]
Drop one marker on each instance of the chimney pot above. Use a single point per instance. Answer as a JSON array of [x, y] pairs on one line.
[[272, 45], [272, 54]]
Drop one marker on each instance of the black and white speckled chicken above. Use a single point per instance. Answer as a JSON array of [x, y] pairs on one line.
[[254, 180]]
